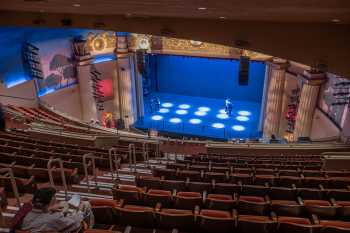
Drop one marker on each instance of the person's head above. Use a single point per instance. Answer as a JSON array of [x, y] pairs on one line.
[[43, 198], [273, 137]]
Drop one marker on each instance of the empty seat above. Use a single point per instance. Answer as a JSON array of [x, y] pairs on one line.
[[154, 196], [315, 182], [148, 181], [214, 221], [282, 193], [128, 193], [132, 215], [163, 172], [104, 211], [286, 207], [227, 188], [289, 181], [339, 182], [175, 219], [252, 205], [254, 190], [200, 187], [241, 178], [260, 224], [321, 208], [178, 185], [217, 176], [264, 179], [188, 200], [219, 202], [311, 193], [192, 175], [297, 225], [329, 226]]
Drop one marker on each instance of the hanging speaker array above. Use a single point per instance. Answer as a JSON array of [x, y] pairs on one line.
[[243, 75], [341, 93], [31, 61], [95, 76]]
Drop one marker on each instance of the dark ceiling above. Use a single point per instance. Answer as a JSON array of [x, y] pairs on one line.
[[312, 32], [242, 10]]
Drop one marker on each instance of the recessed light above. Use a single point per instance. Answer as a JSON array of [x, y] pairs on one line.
[[222, 17], [336, 20], [76, 5], [202, 8]]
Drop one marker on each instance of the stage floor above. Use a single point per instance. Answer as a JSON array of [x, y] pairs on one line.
[[203, 117]]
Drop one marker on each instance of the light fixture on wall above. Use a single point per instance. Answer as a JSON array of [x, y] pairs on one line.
[[201, 8], [76, 5]]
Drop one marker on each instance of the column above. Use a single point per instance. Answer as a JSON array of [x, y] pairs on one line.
[[275, 98], [126, 104], [285, 100], [84, 61], [307, 104], [116, 93]]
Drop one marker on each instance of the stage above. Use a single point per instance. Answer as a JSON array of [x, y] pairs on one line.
[[201, 117]]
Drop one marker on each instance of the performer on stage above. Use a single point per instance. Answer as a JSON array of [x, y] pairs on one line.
[[228, 106]]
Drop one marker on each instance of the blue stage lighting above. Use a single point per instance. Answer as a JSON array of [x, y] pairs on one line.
[[203, 109], [163, 110], [222, 111], [167, 105], [218, 125], [157, 117], [222, 116], [242, 118], [181, 112], [175, 120], [195, 121], [244, 113], [184, 106], [104, 58], [238, 128], [200, 113]]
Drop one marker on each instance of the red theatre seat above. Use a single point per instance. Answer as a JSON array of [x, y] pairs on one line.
[[213, 221]]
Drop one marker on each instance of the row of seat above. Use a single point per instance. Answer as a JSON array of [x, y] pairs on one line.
[[245, 204], [262, 171], [274, 192], [274, 180], [206, 220]]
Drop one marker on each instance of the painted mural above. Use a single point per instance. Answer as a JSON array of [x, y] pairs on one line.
[[335, 98]]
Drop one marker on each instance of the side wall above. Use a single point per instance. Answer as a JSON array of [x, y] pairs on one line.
[[25, 93], [66, 100]]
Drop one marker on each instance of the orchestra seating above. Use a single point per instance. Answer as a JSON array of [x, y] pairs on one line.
[[196, 193]]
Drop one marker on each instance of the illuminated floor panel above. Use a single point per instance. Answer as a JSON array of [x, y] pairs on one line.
[[198, 116]]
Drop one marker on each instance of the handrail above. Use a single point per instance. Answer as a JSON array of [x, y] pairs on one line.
[[112, 153], [63, 175], [132, 156], [92, 157], [145, 153], [13, 183]]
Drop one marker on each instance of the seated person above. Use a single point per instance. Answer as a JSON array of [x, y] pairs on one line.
[[46, 216]]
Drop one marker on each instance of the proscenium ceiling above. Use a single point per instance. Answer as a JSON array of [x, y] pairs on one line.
[[311, 32], [245, 10]]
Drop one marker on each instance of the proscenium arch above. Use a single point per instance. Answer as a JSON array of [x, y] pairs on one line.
[[312, 44]]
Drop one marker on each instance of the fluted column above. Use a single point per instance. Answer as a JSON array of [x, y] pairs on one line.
[[274, 98], [126, 97], [285, 100], [116, 93], [307, 104]]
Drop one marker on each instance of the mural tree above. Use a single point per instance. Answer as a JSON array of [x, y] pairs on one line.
[[64, 66]]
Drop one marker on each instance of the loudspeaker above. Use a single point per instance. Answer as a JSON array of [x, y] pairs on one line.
[[243, 74]]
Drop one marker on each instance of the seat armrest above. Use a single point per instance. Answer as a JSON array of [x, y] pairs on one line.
[[158, 207], [300, 201], [321, 187], [294, 186], [348, 187], [213, 183], [204, 196], [174, 230], [121, 203], [127, 229], [196, 210], [267, 199], [315, 220], [333, 202], [273, 216], [302, 176]]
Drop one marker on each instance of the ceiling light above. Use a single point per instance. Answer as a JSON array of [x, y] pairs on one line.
[[222, 17], [336, 20], [202, 8], [76, 5]]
